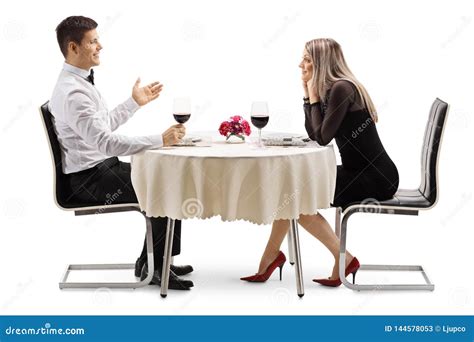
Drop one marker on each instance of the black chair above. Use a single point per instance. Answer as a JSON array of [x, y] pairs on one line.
[[405, 202], [65, 201]]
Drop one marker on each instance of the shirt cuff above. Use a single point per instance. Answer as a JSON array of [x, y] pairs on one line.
[[131, 105], [157, 141]]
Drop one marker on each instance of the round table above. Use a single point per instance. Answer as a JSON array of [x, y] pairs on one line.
[[235, 182]]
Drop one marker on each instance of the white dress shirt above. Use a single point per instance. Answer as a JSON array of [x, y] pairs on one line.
[[85, 127]]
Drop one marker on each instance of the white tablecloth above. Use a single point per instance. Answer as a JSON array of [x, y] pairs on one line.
[[235, 181]]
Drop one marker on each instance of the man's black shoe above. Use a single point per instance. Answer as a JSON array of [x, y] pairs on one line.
[[178, 270], [181, 270], [174, 283]]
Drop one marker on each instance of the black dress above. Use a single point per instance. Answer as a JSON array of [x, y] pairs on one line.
[[366, 171]]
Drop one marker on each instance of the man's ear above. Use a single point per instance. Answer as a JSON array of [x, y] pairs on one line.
[[72, 48]]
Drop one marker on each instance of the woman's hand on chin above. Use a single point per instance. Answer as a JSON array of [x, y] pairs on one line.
[[312, 92], [305, 88]]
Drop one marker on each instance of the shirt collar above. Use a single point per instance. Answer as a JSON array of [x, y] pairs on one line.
[[75, 70]]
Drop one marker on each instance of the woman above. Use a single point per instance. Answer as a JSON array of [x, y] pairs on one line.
[[336, 106]]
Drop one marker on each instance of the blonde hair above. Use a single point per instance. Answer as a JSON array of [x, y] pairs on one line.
[[330, 66]]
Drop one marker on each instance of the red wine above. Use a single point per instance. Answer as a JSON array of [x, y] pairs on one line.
[[259, 121], [181, 118]]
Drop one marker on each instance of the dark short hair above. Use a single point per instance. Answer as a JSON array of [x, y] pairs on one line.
[[72, 29]]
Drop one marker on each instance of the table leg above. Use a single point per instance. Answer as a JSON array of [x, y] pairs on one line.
[[296, 248], [165, 274], [291, 250]]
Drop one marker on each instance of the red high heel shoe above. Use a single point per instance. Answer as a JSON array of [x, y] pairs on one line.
[[260, 278], [353, 267]]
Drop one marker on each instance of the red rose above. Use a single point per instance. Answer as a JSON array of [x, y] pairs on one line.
[[224, 128], [246, 127]]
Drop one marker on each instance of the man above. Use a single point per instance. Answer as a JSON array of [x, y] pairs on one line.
[[90, 148]]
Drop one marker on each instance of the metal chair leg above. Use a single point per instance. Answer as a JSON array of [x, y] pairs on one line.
[[291, 250], [299, 268], [64, 284], [359, 287], [165, 274]]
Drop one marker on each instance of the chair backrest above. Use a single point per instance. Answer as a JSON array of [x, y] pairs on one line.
[[60, 182], [431, 148]]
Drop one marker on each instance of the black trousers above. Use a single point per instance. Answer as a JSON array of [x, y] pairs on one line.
[[109, 183]]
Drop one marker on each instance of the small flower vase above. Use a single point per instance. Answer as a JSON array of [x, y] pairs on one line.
[[235, 139]]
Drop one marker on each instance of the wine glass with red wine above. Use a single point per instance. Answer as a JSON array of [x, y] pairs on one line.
[[182, 109], [259, 117]]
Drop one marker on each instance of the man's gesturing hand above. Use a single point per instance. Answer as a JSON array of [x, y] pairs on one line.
[[143, 95]]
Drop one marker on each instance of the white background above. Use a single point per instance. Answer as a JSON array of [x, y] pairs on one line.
[[226, 55]]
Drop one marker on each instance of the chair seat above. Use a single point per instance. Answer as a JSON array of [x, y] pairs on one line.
[[402, 198], [76, 204], [408, 198]]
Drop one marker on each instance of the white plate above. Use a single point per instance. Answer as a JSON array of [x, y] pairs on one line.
[[279, 135]]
